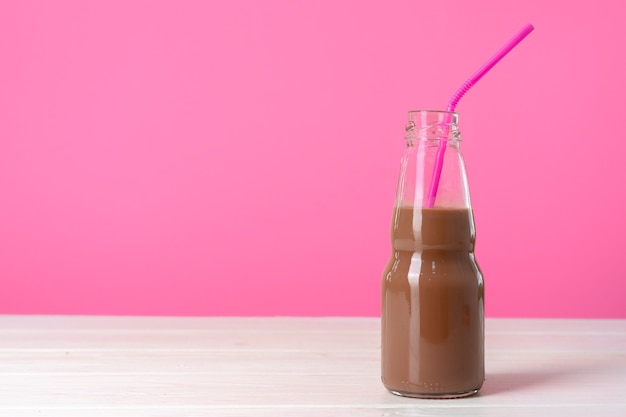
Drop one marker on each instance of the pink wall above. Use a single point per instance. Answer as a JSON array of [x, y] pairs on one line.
[[240, 157]]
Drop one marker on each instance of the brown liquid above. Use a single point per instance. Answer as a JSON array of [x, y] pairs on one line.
[[432, 306]]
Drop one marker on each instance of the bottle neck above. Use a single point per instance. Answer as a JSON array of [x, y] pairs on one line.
[[433, 140]]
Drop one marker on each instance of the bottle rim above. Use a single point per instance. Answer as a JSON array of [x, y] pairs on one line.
[[434, 111]]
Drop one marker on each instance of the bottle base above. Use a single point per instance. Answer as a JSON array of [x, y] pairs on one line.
[[434, 395]]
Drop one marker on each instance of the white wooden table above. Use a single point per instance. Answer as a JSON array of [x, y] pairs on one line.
[[137, 366]]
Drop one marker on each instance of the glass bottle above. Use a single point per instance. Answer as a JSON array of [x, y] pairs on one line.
[[432, 288]]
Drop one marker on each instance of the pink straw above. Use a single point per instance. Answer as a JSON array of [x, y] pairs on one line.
[[434, 183]]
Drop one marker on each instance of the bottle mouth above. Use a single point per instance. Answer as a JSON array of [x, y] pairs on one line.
[[433, 117], [452, 113]]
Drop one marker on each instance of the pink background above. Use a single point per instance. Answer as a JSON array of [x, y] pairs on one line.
[[240, 157]]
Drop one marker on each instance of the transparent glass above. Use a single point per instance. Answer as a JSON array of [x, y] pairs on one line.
[[432, 288]]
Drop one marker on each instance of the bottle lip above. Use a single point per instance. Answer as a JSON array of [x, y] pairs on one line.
[[434, 111], [432, 124]]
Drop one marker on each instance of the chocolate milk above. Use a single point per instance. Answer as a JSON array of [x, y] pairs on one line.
[[433, 306]]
